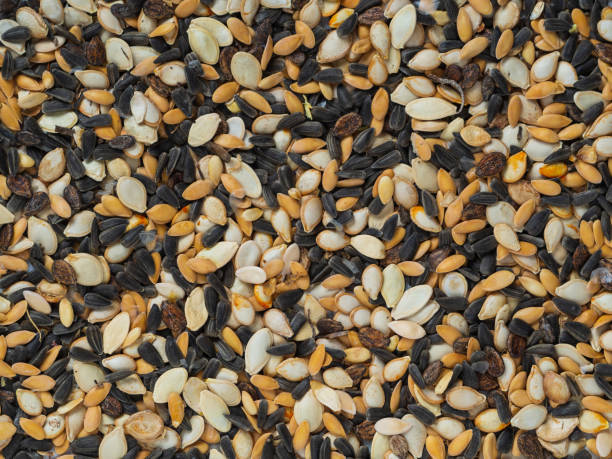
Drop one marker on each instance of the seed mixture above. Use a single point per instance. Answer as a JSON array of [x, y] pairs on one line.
[[305, 229]]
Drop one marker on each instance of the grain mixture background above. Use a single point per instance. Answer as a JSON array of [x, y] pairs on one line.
[[321, 229]]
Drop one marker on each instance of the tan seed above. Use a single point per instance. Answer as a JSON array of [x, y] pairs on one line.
[[435, 447], [451, 263], [504, 44], [459, 443], [514, 107], [32, 428], [474, 47], [287, 45], [464, 25], [498, 280]]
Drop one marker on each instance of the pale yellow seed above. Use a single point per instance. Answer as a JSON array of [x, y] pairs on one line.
[[66, 312], [385, 189]]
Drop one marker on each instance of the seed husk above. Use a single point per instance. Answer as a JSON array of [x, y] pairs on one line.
[[132, 193], [430, 108]]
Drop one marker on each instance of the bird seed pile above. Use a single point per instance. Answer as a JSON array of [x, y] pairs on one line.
[[321, 229]]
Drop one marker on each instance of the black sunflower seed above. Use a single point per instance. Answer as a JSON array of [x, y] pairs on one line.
[[582, 53], [122, 142], [83, 355], [332, 76], [535, 225], [591, 113], [16, 34], [452, 303], [568, 307], [587, 83], [282, 349], [113, 234], [567, 410], [289, 121], [308, 129], [556, 25], [149, 354], [118, 375], [96, 301], [520, 327], [307, 71], [97, 121], [522, 37], [63, 389], [74, 60], [578, 330], [429, 203], [485, 198], [422, 414], [502, 407], [347, 26], [590, 264]]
